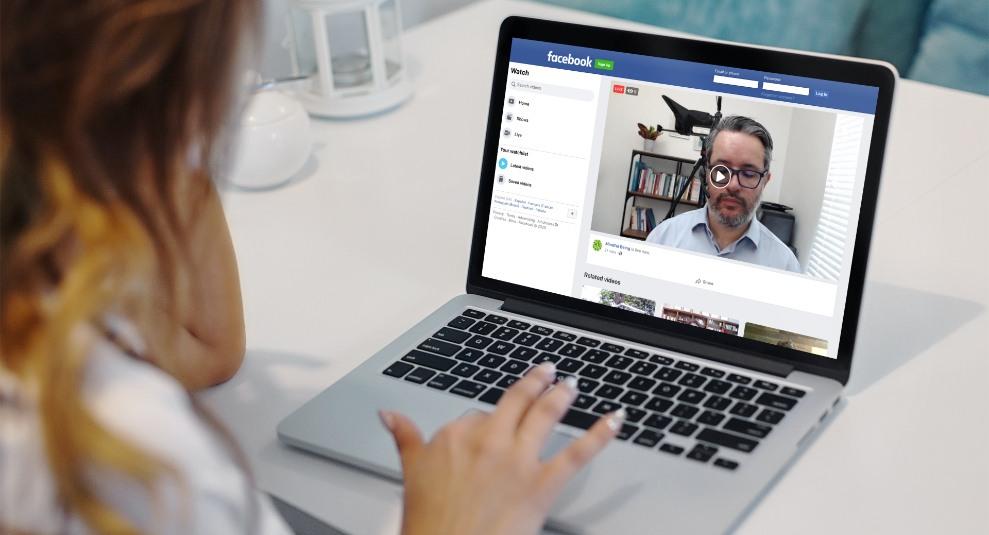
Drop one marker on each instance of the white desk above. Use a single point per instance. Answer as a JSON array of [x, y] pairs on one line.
[[376, 234]]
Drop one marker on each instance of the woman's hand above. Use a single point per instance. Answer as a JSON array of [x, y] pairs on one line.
[[482, 474]]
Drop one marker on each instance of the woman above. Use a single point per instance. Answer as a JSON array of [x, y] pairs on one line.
[[119, 295]]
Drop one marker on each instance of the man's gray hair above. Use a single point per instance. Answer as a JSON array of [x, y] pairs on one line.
[[745, 125]]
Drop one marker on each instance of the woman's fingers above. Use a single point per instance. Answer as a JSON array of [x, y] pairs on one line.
[[558, 470], [519, 397], [545, 413], [407, 437]]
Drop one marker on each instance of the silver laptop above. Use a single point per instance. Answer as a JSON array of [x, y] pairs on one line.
[[681, 225]]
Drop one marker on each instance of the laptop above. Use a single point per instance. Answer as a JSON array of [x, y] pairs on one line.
[[634, 257]]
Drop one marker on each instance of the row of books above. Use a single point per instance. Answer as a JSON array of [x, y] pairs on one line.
[[647, 181], [642, 219]]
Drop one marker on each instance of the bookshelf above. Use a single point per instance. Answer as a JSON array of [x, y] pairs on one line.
[[652, 179]]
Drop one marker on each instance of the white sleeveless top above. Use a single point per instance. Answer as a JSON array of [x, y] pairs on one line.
[[147, 407]]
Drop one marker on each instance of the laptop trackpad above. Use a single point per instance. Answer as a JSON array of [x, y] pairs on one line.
[[556, 442]]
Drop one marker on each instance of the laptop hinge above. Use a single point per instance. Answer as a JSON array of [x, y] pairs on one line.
[[644, 336]]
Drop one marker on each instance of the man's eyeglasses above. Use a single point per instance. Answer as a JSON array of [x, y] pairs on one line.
[[720, 175]]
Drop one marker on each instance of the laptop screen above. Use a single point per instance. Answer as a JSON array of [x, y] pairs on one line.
[[596, 195]]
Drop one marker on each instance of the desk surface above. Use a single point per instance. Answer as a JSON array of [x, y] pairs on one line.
[[375, 233]]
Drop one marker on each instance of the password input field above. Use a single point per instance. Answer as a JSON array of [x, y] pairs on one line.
[[782, 88], [740, 82]]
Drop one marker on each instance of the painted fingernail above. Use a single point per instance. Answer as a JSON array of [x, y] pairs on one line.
[[387, 418], [571, 383], [548, 368], [616, 419]]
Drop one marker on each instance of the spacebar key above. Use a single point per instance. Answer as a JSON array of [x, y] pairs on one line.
[[581, 419], [727, 440], [428, 360]]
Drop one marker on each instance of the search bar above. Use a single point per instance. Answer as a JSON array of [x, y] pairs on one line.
[[786, 88], [741, 82], [552, 90]]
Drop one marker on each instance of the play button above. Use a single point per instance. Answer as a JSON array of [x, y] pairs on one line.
[[720, 176]]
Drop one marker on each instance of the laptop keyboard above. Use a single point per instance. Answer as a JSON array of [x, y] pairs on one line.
[[673, 406]]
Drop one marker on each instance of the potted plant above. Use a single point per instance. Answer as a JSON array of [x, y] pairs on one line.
[[649, 135]]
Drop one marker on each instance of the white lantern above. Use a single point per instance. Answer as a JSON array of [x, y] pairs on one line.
[[350, 52]]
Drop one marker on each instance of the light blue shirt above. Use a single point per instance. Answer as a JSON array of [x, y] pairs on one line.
[[690, 231]]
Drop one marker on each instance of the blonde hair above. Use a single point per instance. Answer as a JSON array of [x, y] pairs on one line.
[[103, 105]]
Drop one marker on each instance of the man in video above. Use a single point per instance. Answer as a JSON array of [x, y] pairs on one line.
[[739, 151]]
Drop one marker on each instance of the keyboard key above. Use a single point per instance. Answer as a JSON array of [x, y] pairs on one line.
[[670, 448], [430, 361], [776, 402], [702, 453], [507, 381], [501, 348], [492, 395], [792, 392], [499, 320], [441, 381], [626, 432], [658, 421], [612, 348], [616, 377], [648, 438], [465, 370], [419, 375], [765, 385], [569, 365], [541, 331], [483, 327], [770, 416], [608, 392], [589, 342], [710, 418], [605, 406], [618, 362], [668, 374], [516, 324], [689, 366], [593, 371], [549, 344], [479, 342], [643, 368], [461, 322], [524, 353], [546, 357], [659, 404], [487, 376], [717, 403], [636, 353], [634, 415], [596, 356], [746, 427], [584, 401], [572, 350], [716, 386], [579, 419], [743, 393], [712, 372], [476, 314], [634, 398], [725, 463], [451, 335], [661, 360], [565, 336], [469, 355], [586, 385], [642, 383], [691, 396], [683, 428], [527, 339], [398, 369], [691, 380], [740, 379], [743, 409], [684, 411], [727, 440], [492, 361], [438, 346], [505, 333], [468, 389], [666, 390]]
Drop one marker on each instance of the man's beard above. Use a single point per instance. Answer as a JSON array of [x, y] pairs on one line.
[[732, 222]]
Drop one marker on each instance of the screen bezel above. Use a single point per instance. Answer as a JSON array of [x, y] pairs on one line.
[[720, 54]]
